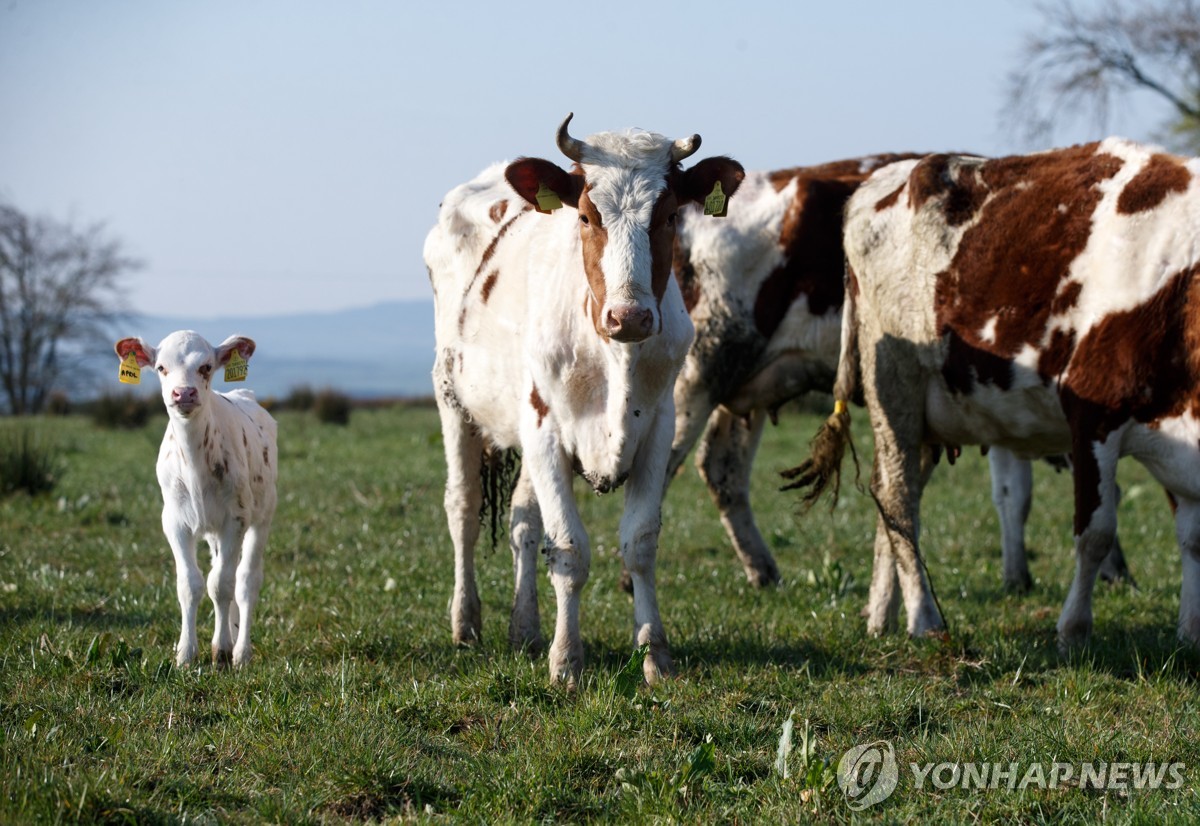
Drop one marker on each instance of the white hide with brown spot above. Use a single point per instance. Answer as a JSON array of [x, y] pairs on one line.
[[217, 470], [554, 339]]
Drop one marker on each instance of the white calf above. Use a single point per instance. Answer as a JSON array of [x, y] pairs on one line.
[[216, 467]]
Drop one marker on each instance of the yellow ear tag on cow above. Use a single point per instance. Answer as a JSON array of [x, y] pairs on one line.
[[130, 373], [547, 200], [716, 204], [236, 368]]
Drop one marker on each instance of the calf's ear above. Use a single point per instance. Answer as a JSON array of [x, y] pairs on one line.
[[696, 183], [142, 351], [529, 175], [244, 346]]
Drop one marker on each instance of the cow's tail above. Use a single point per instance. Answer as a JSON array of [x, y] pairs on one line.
[[498, 474], [822, 470]]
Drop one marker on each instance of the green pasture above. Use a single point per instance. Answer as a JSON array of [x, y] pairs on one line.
[[359, 708]]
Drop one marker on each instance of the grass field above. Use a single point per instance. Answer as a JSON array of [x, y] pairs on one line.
[[358, 707]]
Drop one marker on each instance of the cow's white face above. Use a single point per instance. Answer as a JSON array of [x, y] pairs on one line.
[[185, 363], [627, 226], [626, 189]]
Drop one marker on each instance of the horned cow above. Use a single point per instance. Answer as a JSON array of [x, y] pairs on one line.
[[562, 335]]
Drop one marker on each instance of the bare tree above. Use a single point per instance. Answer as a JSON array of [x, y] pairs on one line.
[[59, 294], [1084, 61]]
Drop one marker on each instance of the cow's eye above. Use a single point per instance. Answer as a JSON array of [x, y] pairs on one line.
[[162, 369], [205, 369], [671, 219], [583, 219]]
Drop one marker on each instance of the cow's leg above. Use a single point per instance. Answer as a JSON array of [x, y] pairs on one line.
[[1095, 466], [640, 526], [524, 627], [222, 582], [1012, 492], [464, 495], [568, 550], [189, 586], [1114, 568], [902, 464], [1187, 530], [724, 459], [249, 584], [883, 601]]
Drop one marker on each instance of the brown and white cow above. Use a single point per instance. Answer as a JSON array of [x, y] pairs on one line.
[[1046, 303], [764, 288], [562, 335]]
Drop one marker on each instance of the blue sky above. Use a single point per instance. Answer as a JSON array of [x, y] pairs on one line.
[[271, 157]]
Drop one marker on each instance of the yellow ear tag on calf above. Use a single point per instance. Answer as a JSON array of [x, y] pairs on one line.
[[236, 368], [716, 204], [547, 200], [130, 373]]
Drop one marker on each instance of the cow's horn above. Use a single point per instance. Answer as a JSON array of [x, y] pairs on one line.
[[684, 147], [570, 147]]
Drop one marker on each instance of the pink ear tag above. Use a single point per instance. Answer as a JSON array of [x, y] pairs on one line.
[[237, 367], [130, 373]]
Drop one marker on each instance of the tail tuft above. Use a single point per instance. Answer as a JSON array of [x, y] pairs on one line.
[[823, 468]]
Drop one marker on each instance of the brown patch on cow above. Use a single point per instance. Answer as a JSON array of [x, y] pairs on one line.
[[266, 457], [1056, 355], [484, 260], [1141, 364], [1162, 175], [594, 236], [888, 201], [539, 406], [485, 292], [967, 365], [813, 262], [685, 274], [663, 221], [218, 470], [205, 442], [1008, 270], [496, 213], [245, 439]]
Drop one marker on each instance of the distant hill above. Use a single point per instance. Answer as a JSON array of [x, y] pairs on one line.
[[367, 352]]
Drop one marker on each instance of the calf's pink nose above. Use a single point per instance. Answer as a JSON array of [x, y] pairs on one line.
[[184, 395], [628, 322]]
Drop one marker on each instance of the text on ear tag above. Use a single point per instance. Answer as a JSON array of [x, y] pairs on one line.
[[716, 204], [547, 200], [236, 368], [130, 373]]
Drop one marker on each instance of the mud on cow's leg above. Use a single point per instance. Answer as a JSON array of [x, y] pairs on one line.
[[724, 459]]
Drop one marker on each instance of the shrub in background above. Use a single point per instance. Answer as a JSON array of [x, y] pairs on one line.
[[123, 411], [332, 407], [27, 464], [300, 398]]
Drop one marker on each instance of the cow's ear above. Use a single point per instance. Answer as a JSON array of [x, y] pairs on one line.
[[696, 183], [142, 351], [244, 346], [529, 175]]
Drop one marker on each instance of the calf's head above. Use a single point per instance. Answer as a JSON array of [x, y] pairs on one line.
[[185, 363], [626, 188]]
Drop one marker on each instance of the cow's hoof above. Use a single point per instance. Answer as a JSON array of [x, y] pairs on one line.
[[221, 658], [658, 666], [566, 664]]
